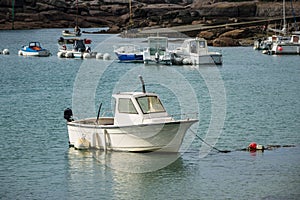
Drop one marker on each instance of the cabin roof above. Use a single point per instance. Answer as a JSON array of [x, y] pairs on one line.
[[133, 94]]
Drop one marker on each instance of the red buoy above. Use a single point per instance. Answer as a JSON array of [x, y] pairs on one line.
[[87, 41], [280, 48], [252, 146]]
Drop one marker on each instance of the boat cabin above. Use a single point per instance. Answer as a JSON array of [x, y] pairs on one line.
[[138, 108], [157, 45], [193, 46], [35, 46], [79, 45]]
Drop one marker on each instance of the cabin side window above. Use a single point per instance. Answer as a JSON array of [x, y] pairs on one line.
[[126, 106], [202, 44], [150, 104], [193, 47]]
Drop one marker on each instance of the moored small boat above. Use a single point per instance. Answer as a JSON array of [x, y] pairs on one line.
[[195, 51], [285, 47], [140, 124], [157, 51], [34, 49], [129, 53], [78, 48], [262, 44]]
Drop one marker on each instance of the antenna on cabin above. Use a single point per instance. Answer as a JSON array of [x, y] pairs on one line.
[[143, 84], [97, 120]]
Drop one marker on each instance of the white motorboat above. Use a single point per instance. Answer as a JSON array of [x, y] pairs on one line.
[[286, 44], [78, 48], [140, 124], [263, 44], [280, 47], [195, 51], [157, 51], [34, 49]]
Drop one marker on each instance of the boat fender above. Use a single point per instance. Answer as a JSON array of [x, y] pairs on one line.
[[20, 53], [82, 144], [68, 114]]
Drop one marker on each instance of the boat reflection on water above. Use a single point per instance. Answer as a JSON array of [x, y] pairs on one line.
[[136, 162], [121, 161], [119, 175]]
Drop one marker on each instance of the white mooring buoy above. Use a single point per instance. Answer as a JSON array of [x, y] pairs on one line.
[[60, 54], [86, 55], [106, 56], [99, 56], [5, 52]]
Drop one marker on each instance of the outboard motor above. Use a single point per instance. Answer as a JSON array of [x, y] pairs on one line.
[[61, 40], [68, 114]]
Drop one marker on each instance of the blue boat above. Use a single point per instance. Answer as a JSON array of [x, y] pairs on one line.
[[129, 53], [34, 49]]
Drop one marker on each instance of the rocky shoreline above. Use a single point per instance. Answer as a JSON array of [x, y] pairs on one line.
[[119, 16]]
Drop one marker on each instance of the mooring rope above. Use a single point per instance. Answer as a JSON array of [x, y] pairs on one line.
[[221, 151]]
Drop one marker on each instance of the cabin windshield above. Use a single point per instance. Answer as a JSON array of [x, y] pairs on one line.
[[34, 44], [150, 104], [126, 106]]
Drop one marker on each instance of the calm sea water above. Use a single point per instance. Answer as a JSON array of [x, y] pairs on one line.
[[251, 98]]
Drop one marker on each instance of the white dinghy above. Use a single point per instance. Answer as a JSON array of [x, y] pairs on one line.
[[140, 124]]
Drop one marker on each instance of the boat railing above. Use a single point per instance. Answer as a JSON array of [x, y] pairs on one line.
[[192, 115]]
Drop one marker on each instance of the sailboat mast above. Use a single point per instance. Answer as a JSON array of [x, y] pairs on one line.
[[76, 13], [284, 20], [130, 13]]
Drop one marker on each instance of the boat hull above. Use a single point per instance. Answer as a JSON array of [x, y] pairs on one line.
[[128, 53], [130, 57], [288, 49], [41, 53], [209, 59], [71, 34], [195, 52], [74, 54], [165, 137]]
